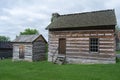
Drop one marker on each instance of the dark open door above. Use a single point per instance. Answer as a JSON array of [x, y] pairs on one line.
[[62, 46], [21, 51]]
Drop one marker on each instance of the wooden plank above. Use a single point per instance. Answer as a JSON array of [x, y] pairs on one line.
[[106, 41], [53, 45], [80, 38], [80, 31], [77, 43], [110, 44], [53, 42], [108, 34], [78, 46], [76, 52], [86, 42], [93, 58], [100, 36], [92, 55], [53, 39], [106, 49], [52, 48], [101, 39], [74, 48], [106, 46], [106, 52]]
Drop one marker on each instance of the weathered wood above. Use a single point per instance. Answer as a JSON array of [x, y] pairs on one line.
[[78, 43], [92, 55], [33, 51]]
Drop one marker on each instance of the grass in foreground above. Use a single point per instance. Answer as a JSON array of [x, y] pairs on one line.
[[47, 71]]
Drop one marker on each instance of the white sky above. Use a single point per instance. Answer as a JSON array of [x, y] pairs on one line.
[[17, 15]]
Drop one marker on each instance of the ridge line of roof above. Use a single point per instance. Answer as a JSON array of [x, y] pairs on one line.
[[86, 12]]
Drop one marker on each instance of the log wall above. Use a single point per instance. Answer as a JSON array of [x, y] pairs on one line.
[[39, 51], [33, 51], [77, 44], [27, 54]]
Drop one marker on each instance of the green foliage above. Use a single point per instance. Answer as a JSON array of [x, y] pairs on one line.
[[29, 32], [118, 51], [117, 60], [117, 28], [47, 71], [4, 38]]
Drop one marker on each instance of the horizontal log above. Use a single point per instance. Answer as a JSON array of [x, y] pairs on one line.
[[107, 52], [93, 34], [55, 41], [106, 39], [106, 49], [106, 46], [93, 58], [86, 34], [52, 48], [110, 44], [100, 36], [71, 43], [77, 52], [80, 32], [86, 42], [53, 52], [92, 55], [108, 30], [53, 38], [108, 34], [78, 46], [73, 48], [53, 45], [78, 39]]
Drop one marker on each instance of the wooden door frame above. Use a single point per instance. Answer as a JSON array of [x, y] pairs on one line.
[[59, 46], [22, 47]]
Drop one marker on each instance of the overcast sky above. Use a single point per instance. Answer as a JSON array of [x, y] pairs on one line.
[[17, 15]]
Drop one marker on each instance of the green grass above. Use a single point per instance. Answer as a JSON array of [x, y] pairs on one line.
[[47, 71]]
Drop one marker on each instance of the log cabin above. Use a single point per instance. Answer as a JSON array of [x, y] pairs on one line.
[[29, 48], [6, 49], [87, 37]]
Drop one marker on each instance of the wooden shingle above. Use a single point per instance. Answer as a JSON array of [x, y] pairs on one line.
[[86, 19]]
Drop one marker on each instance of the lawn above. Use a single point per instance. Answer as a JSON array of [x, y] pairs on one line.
[[47, 71]]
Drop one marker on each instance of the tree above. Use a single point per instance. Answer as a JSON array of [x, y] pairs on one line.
[[29, 31], [4, 38]]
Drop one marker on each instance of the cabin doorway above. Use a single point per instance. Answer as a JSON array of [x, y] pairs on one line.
[[21, 51], [62, 46]]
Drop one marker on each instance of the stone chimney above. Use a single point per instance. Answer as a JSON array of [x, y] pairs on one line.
[[54, 16]]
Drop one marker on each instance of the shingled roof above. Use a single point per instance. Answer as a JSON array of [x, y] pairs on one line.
[[27, 38], [86, 19]]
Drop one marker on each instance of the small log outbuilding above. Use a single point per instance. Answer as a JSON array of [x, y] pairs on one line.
[[87, 37], [6, 49], [29, 48]]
